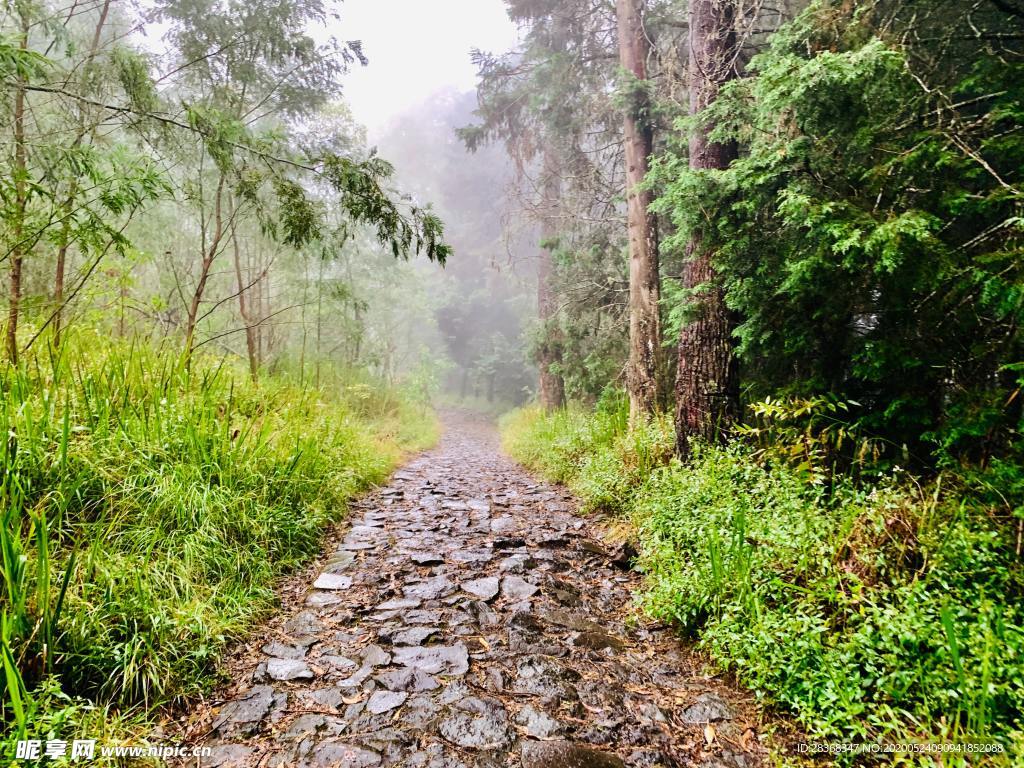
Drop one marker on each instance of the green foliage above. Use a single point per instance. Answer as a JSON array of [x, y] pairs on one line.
[[881, 613], [815, 436], [149, 507], [868, 237], [592, 453]]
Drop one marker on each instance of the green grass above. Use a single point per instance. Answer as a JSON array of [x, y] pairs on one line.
[[882, 613], [149, 508]]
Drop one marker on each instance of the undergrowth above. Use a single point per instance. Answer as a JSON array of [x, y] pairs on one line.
[[879, 612], [149, 507]]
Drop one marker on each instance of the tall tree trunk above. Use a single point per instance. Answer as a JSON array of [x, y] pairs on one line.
[[250, 336], [209, 254], [549, 357], [20, 204], [643, 369], [707, 387]]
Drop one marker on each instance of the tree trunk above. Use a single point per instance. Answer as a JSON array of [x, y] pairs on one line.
[[643, 368], [549, 357], [707, 387], [250, 336], [204, 270], [20, 205]]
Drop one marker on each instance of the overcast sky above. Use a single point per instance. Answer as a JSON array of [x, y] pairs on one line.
[[416, 47]]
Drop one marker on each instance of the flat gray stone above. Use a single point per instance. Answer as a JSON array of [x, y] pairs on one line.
[[247, 710], [430, 589], [399, 603], [413, 635], [375, 656], [435, 659], [411, 679], [322, 599], [517, 588], [537, 723], [707, 708], [288, 669], [332, 581], [477, 723], [384, 701], [485, 588], [426, 558], [282, 651]]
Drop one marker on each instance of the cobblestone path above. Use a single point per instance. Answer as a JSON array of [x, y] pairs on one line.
[[470, 618]]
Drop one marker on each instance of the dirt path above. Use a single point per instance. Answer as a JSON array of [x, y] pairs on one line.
[[469, 618]]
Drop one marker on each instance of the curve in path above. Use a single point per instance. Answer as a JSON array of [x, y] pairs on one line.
[[469, 618]]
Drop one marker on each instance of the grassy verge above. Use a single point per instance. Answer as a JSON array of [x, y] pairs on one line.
[[148, 509], [876, 614]]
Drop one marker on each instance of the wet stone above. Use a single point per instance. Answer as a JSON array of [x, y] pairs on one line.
[[485, 588], [426, 558], [282, 651], [288, 669], [419, 711], [243, 713], [336, 663], [399, 604], [516, 588], [542, 676], [322, 599], [707, 708], [517, 564], [375, 656], [537, 723], [384, 701], [332, 581], [304, 628], [567, 754], [476, 723], [413, 636], [470, 619], [430, 589], [465, 556], [409, 679], [435, 659]]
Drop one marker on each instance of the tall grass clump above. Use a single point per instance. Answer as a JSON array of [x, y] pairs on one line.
[[878, 612], [148, 507]]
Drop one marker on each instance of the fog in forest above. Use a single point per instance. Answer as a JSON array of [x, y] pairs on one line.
[[593, 383]]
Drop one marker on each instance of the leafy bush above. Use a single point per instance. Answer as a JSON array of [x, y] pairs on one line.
[[149, 506], [881, 613]]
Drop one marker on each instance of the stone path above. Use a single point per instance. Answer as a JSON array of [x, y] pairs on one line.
[[469, 618]]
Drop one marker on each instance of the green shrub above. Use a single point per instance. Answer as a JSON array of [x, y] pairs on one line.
[[149, 507], [881, 613]]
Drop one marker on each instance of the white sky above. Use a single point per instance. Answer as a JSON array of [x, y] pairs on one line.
[[415, 48]]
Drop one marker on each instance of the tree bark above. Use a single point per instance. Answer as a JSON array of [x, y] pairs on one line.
[[250, 336], [549, 357], [644, 287], [707, 386], [204, 270]]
